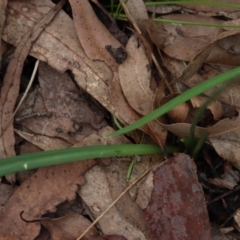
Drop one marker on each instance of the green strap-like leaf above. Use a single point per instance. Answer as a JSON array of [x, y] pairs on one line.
[[196, 90], [54, 157]]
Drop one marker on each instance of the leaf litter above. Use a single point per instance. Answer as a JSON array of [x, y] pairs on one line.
[[62, 111]]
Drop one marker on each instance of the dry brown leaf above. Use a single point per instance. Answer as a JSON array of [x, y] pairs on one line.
[[182, 113], [62, 98], [225, 138], [191, 78], [212, 9], [60, 35], [215, 107], [97, 196], [229, 56], [8, 237], [95, 49], [112, 237], [63, 112], [10, 89], [3, 5], [116, 176], [179, 113], [68, 227], [182, 130], [222, 183], [139, 13], [228, 148], [184, 42], [43, 142], [135, 74], [94, 36], [237, 217], [6, 191], [163, 9], [68, 54], [40, 193]]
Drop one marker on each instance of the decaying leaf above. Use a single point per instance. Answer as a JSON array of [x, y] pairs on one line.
[[68, 227], [59, 111], [40, 193], [10, 89]]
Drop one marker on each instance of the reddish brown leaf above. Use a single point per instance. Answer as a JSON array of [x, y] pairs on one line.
[[176, 208]]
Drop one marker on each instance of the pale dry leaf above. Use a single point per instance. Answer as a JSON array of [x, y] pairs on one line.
[[145, 191], [211, 9], [139, 13], [163, 9], [237, 217], [43, 142], [225, 138], [40, 193], [96, 195], [184, 42], [61, 36], [68, 227], [232, 176], [68, 54], [10, 89], [56, 127], [234, 22], [135, 74], [222, 183], [90, 30], [93, 35], [63, 111], [228, 148], [116, 176]]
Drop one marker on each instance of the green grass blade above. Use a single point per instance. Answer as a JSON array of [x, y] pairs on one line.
[[200, 24], [198, 89], [54, 157], [217, 4]]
